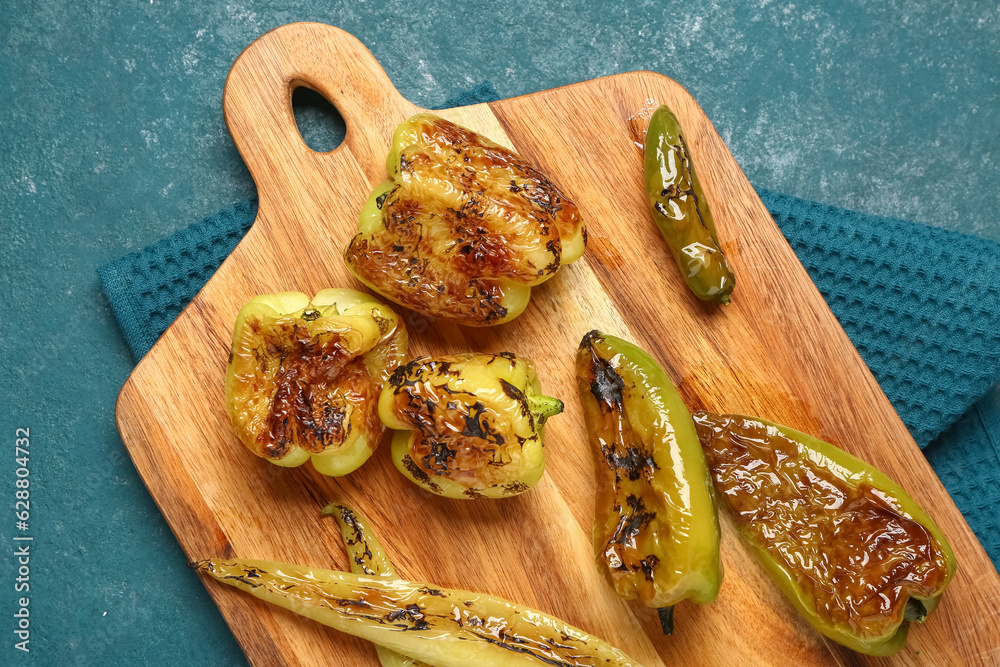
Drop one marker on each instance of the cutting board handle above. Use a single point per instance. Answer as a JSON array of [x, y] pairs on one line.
[[257, 101]]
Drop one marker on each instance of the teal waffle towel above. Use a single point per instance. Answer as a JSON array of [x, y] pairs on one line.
[[921, 304]]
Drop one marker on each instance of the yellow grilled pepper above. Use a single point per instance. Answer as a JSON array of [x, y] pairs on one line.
[[305, 374], [366, 556], [469, 425], [464, 228], [656, 531]]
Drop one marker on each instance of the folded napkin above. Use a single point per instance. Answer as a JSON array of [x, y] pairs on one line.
[[921, 305]]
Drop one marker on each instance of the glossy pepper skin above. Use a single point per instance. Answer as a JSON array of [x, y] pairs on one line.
[[464, 228], [849, 548], [656, 533], [304, 377], [439, 626], [366, 556], [681, 210], [468, 425]]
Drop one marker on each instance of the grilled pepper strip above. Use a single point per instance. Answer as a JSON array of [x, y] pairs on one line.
[[849, 548], [366, 556], [464, 228], [656, 531], [440, 626], [304, 377], [681, 210], [468, 425]]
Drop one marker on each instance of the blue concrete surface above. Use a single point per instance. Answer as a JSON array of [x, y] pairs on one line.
[[112, 137]]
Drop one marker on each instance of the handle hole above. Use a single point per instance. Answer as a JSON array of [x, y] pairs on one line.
[[320, 124]]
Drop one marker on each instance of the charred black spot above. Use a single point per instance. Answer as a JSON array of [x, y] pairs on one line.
[[608, 386], [648, 564], [511, 391], [631, 522], [632, 460], [310, 315], [478, 426], [472, 493], [419, 474], [412, 616], [380, 200], [397, 248], [432, 591], [516, 487], [440, 458]]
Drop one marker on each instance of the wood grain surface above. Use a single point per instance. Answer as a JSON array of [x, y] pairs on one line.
[[777, 352]]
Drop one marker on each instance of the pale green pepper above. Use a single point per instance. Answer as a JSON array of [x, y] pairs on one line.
[[469, 425], [849, 548], [464, 227], [656, 530], [304, 377]]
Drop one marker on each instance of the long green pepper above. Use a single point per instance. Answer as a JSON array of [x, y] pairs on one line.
[[656, 530]]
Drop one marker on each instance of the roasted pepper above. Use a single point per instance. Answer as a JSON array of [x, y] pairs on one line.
[[440, 626], [366, 556], [304, 376], [468, 425], [656, 532], [849, 548], [681, 210], [464, 228]]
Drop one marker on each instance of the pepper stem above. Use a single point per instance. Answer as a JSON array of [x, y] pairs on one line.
[[543, 407], [915, 612], [666, 619]]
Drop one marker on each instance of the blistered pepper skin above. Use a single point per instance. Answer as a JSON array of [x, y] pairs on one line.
[[681, 210], [469, 425], [367, 557], [855, 555], [304, 376], [464, 228], [440, 626], [656, 532]]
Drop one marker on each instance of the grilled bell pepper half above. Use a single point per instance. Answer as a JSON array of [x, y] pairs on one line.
[[849, 548], [656, 532], [366, 556], [464, 228], [305, 374], [439, 626], [468, 425], [681, 210]]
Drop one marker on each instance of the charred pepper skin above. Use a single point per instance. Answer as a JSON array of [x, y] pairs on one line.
[[656, 533], [464, 228], [304, 376], [468, 425], [434, 625], [853, 553], [366, 556], [681, 210]]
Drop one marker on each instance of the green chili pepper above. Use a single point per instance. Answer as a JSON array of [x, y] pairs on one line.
[[468, 425], [681, 210], [848, 547], [366, 556], [439, 626], [304, 376], [656, 531], [464, 228]]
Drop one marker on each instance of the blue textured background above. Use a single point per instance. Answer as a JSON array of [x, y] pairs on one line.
[[112, 137]]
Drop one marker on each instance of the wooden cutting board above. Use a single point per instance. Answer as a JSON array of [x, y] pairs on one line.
[[777, 352]]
